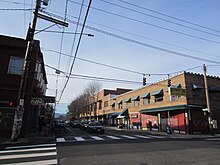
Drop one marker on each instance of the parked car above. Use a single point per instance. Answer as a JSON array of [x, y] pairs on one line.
[[95, 127], [76, 123], [83, 125], [60, 124]]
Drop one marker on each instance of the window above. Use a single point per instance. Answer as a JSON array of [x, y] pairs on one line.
[[146, 100], [128, 104], [136, 103], [106, 104], [100, 104], [120, 106], [15, 65]]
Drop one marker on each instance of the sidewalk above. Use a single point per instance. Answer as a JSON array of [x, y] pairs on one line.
[[32, 137], [165, 133]]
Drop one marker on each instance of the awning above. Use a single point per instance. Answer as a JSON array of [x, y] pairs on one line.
[[171, 108], [194, 86], [114, 114], [120, 102], [112, 104], [123, 114], [135, 98], [127, 100], [176, 86], [157, 92], [145, 96]]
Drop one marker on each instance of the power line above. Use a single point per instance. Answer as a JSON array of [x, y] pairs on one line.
[[146, 44], [166, 15], [110, 66], [77, 48], [150, 24], [10, 9], [136, 35], [172, 22]]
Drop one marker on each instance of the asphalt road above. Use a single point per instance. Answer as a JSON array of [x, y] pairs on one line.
[[118, 147]]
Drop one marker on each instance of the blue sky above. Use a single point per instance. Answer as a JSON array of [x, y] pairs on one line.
[[189, 27]]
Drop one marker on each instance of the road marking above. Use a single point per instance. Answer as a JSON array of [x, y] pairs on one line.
[[46, 162], [31, 146], [214, 139], [158, 137], [97, 138], [145, 137], [25, 150], [79, 139], [27, 155], [60, 140], [129, 137], [113, 137]]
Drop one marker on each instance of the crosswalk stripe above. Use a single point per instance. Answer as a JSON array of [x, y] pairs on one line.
[[145, 137], [31, 146], [27, 155], [60, 140], [45, 162], [97, 138], [28, 150], [113, 137], [129, 137], [79, 139]]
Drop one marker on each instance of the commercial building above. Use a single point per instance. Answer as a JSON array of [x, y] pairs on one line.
[[180, 106], [12, 51]]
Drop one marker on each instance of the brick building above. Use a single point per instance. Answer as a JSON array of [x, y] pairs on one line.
[[12, 51], [157, 106]]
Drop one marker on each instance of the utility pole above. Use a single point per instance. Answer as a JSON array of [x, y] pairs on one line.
[[207, 100], [19, 112]]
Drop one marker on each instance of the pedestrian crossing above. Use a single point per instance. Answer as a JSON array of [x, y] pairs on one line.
[[109, 137], [44, 154]]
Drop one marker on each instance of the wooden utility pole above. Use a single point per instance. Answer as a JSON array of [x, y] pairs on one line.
[[207, 100]]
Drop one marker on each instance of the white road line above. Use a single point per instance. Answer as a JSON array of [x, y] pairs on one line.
[[214, 139], [32, 149], [60, 140], [79, 138], [158, 137], [113, 137], [145, 137], [45, 162], [31, 146], [129, 137], [27, 155], [97, 138]]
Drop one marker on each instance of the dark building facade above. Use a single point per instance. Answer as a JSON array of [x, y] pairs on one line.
[[12, 52]]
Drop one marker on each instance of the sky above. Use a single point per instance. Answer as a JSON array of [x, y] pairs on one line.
[[153, 37]]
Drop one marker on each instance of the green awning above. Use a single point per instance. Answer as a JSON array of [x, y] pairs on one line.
[[127, 100], [135, 98], [124, 113], [176, 86], [120, 102], [157, 92], [171, 108], [146, 95]]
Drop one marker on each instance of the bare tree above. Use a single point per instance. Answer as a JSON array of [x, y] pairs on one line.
[[83, 102]]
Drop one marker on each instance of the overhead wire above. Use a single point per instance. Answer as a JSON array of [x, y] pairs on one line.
[[152, 16], [150, 24], [169, 16], [146, 44], [77, 47], [136, 35]]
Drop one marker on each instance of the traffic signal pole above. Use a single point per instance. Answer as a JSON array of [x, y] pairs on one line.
[[19, 112]]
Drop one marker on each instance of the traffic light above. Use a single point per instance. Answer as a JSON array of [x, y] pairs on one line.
[[144, 80], [7, 103], [169, 82]]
